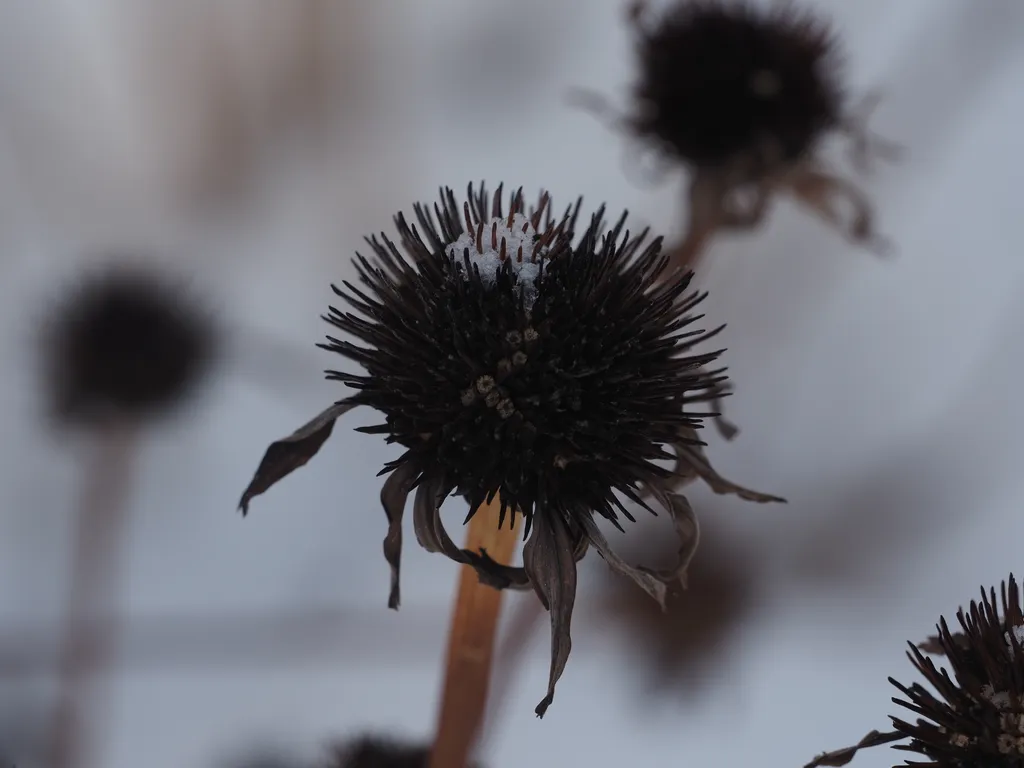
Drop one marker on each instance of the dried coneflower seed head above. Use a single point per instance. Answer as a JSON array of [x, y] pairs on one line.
[[511, 355], [973, 716], [511, 359], [726, 81], [977, 716], [125, 343]]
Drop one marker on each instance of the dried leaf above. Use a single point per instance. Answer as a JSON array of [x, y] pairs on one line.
[[690, 458], [393, 496], [286, 455], [843, 756], [548, 559]]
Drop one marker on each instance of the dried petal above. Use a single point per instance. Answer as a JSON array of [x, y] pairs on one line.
[[432, 536], [690, 459], [843, 756], [725, 428], [548, 559], [684, 520], [820, 191], [426, 516], [286, 455], [646, 580], [393, 496]]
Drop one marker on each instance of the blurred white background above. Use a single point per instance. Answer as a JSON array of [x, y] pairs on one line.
[[253, 145]]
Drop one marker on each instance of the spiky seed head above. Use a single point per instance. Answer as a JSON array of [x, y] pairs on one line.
[[726, 81], [975, 716], [510, 355], [125, 342]]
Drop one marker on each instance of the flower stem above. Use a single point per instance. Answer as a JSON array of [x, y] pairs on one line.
[[90, 629], [687, 254], [471, 642]]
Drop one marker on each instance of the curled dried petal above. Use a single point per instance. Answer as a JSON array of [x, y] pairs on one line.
[[393, 496], [286, 455], [690, 460], [841, 757]]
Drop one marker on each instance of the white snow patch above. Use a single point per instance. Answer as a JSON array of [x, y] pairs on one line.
[[525, 265]]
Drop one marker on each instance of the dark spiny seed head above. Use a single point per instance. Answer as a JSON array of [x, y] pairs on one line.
[[126, 344], [723, 81], [374, 752], [977, 716], [557, 380]]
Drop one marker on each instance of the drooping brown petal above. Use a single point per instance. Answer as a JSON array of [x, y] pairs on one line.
[[393, 496], [690, 459], [549, 561], [286, 455], [843, 756], [684, 520], [685, 647], [820, 192], [655, 583], [426, 519], [432, 536], [725, 428]]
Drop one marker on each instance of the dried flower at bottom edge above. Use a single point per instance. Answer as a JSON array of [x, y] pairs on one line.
[[376, 752], [511, 357], [976, 716], [743, 95], [125, 343]]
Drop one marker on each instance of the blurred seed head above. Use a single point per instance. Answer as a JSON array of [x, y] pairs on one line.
[[370, 751], [124, 343], [726, 80]]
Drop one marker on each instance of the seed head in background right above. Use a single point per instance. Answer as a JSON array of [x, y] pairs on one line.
[[743, 95]]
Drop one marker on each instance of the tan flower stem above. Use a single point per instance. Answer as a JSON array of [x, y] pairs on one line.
[[471, 642], [90, 631], [687, 254]]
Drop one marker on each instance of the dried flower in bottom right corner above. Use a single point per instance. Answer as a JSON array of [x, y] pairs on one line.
[[974, 716]]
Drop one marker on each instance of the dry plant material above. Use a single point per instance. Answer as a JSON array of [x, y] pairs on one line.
[[471, 642], [511, 356], [124, 344], [124, 347], [376, 752], [975, 716], [680, 645], [743, 95]]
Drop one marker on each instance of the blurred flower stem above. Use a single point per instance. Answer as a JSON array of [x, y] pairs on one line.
[[86, 645], [471, 641]]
